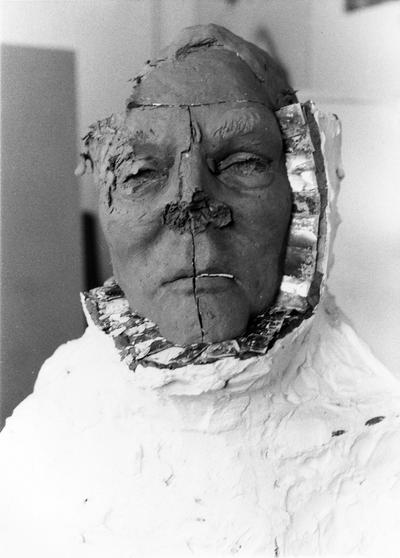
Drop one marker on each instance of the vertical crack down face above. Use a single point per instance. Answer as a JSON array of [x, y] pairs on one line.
[[195, 137], [181, 215], [196, 296], [197, 210]]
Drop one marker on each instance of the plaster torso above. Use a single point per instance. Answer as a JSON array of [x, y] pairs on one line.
[[101, 461]]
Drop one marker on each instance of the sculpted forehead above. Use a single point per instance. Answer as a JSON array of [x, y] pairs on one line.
[[253, 124], [157, 124], [209, 76]]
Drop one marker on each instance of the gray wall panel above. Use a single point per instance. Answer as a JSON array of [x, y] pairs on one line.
[[41, 272]]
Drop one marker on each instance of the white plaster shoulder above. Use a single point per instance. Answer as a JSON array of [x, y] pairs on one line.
[[99, 462]]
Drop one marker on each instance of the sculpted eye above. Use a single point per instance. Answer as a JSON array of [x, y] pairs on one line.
[[244, 164], [140, 176], [143, 174]]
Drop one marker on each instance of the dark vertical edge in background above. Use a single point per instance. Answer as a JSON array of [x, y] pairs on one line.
[[90, 251]]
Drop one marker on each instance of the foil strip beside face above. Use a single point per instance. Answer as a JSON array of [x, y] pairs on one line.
[[308, 192]]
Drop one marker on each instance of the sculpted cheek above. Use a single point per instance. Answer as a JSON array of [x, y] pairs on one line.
[[130, 225]]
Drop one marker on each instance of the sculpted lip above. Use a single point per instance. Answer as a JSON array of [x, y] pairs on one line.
[[226, 275], [211, 274]]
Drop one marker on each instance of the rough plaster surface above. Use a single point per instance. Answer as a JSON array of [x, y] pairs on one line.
[[298, 459]]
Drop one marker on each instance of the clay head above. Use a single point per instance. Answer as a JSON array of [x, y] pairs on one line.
[[195, 201]]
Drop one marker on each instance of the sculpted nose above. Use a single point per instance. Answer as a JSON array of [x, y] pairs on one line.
[[192, 174], [195, 211]]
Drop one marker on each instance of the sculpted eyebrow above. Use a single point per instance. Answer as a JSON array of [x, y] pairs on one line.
[[239, 124], [140, 145]]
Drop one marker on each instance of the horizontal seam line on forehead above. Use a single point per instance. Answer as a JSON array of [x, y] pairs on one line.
[[187, 105]]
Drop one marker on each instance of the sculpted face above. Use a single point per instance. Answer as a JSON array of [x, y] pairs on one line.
[[197, 217]]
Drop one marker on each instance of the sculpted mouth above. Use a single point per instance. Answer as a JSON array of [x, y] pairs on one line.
[[226, 275], [210, 274]]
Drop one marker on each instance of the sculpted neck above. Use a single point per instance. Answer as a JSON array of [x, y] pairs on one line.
[[216, 397]]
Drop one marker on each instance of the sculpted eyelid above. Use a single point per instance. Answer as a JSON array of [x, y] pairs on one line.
[[136, 162], [242, 157], [262, 147]]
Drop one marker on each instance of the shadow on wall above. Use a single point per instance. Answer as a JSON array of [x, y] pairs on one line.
[[41, 273]]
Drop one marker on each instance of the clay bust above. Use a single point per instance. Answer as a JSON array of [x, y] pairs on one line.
[[219, 402], [197, 203]]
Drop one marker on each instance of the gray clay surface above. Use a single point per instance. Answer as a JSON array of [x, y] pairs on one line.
[[195, 201]]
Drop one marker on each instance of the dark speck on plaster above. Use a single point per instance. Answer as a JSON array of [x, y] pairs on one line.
[[133, 104], [156, 62], [338, 432], [168, 480], [374, 420]]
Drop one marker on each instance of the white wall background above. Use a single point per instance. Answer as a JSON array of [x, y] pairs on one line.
[[347, 61]]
